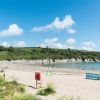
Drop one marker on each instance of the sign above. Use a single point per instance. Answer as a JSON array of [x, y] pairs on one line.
[[37, 76], [38, 79]]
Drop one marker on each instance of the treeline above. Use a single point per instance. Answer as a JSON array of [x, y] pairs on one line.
[[31, 53]]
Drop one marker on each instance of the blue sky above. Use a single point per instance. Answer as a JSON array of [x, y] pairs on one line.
[[53, 23]]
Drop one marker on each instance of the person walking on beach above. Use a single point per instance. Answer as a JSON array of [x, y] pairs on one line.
[[52, 66]]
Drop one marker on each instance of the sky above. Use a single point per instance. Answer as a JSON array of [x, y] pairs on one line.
[[60, 24]]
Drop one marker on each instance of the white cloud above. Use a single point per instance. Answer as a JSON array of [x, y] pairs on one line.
[[90, 46], [14, 44], [5, 44], [48, 40], [71, 31], [71, 41], [20, 44], [13, 29], [57, 24], [54, 43]]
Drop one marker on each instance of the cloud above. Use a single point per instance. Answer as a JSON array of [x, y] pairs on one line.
[[14, 44], [71, 31], [12, 30], [54, 43], [20, 44], [57, 24], [71, 41], [48, 40], [5, 44], [90, 46]]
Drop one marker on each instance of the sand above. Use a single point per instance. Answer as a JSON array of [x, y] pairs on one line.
[[68, 82]]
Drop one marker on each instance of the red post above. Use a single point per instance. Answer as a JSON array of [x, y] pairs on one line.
[[37, 78]]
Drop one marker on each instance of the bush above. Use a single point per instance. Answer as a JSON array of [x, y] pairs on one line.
[[47, 91]]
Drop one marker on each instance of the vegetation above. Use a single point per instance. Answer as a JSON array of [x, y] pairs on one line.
[[47, 91], [31, 53], [13, 91], [22, 97], [69, 98]]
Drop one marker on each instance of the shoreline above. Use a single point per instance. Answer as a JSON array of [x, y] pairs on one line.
[[42, 68]]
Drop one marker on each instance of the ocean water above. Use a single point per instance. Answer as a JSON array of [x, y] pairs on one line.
[[83, 65]]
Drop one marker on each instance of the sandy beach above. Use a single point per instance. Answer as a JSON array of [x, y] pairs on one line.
[[68, 82]]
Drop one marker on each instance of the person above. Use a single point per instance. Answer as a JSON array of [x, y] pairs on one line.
[[4, 75], [93, 68], [52, 66], [78, 67]]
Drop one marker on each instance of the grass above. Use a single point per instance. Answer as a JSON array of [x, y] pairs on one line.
[[22, 97], [14, 91], [69, 98], [47, 91]]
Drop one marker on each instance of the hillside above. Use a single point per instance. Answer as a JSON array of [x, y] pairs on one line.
[[31, 53]]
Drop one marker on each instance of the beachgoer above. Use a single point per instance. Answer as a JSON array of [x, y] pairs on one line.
[[93, 68]]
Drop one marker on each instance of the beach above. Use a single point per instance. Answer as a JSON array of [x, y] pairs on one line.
[[68, 82]]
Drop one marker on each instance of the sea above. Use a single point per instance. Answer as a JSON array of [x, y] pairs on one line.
[[83, 65]]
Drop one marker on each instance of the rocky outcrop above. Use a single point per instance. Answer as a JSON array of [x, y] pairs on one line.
[[47, 61]]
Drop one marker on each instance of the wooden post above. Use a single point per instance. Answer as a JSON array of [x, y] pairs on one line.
[[36, 84], [38, 78]]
